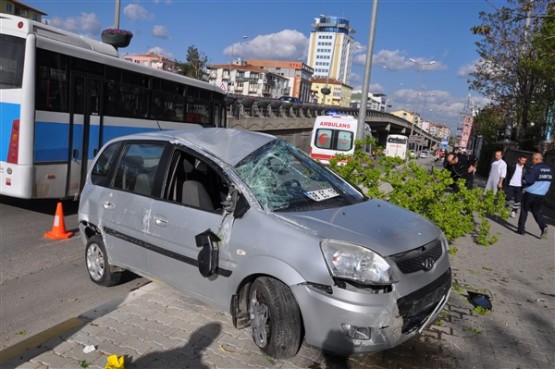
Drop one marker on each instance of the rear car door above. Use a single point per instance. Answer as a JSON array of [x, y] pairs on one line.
[[127, 204]]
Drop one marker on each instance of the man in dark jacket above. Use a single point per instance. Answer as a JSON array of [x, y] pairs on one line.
[[461, 167], [536, 184], [513, 189]]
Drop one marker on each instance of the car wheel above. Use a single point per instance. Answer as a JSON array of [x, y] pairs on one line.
[[97, 263], [275, 318]]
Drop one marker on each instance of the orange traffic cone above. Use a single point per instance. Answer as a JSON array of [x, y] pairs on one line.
[[58, 231]]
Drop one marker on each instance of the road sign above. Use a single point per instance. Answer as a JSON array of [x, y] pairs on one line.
[[419, 140], [444, 142]]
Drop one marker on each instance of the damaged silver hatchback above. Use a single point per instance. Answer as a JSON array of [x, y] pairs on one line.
[[250, 224]]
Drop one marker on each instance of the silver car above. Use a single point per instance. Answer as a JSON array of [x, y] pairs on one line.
[[250, 224]]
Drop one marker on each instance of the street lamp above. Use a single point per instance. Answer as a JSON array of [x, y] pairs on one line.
[[420, 66], [244, 37]]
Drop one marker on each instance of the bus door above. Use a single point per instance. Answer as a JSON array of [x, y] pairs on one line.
[[84, 131]]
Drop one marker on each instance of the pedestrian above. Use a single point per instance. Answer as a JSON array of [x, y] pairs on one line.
[[536, 184], [497, 173], [461, 167], [513, 189]]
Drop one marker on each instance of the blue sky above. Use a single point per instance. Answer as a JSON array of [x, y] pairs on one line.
[[424, 30]]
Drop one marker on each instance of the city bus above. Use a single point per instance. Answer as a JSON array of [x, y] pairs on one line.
[[396, 146], [334, 134], [62, 96]]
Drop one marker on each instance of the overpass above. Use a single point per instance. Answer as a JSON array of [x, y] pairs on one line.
[[294, 122]]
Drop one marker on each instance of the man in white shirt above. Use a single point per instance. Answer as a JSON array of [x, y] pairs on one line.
[[515, 173], [497, 173]]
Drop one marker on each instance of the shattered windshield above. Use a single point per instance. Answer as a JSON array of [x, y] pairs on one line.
[[282, 177]]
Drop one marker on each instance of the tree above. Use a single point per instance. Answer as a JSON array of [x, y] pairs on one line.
[[489, 124], [427, 193], [505, 72], [195, 65]]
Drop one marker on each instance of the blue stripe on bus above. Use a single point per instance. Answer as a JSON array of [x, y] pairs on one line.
[[51, 139], [8, 113]]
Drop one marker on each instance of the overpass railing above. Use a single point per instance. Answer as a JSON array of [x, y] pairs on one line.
[[244, 108]]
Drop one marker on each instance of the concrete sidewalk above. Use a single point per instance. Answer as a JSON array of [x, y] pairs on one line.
[[157, 327]]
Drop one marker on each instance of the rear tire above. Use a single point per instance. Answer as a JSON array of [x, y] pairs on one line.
[[275, 318], [96, 260]]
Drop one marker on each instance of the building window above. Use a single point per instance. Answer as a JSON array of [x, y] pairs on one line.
[[35, 17], [9, 7]]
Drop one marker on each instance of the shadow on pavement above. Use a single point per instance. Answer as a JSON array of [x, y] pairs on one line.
[[188, 356]]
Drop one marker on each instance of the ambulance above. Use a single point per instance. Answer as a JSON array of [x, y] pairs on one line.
[[334, 134]]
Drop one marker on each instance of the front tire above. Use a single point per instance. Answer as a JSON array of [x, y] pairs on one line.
[[96, 258], [275, 318]]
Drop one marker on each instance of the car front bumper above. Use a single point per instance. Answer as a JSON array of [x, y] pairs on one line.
[[389, 319]]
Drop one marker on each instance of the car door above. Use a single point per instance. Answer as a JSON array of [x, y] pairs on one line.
[[127, 205], [190, 204]]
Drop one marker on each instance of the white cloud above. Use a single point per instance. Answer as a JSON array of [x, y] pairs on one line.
[[86, 23], [466, 69], [160, 32], [396, 60], [135, 12], [436, 105], [160, 51], [282, 45]]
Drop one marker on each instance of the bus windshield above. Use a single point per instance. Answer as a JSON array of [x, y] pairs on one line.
[[12, 54]]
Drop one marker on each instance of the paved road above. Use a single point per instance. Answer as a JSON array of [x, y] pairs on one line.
[[157, 327], [43, 282]]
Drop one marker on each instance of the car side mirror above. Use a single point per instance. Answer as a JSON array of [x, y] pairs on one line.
[[235, 203], [209, 254]]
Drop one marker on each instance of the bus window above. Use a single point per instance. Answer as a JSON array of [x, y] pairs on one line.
[[52, 81], [12, 54]]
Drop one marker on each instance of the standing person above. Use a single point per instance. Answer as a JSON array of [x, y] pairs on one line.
[[536, 184], [497, 173], [461, 167], [515, 174]]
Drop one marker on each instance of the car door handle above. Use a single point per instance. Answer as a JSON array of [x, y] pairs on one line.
[[108, 205], [159, 221]]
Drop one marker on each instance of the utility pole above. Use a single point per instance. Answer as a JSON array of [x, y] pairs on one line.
[[116, 17], [367, 73]]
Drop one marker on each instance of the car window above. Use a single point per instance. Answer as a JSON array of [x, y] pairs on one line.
[[283, 178], [137, 167], [194, 182], [100, 171]]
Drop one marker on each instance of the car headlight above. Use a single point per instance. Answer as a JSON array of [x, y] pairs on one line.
[[356, 263]]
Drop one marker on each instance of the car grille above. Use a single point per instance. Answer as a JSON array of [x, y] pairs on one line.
[[417, 306], [414, 260]]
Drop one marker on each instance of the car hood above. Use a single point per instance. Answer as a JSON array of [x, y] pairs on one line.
[[376, 224]]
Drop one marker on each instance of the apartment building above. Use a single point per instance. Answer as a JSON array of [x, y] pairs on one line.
[[153, 60], [20, 9], [298, 73], [245, 79], [340, 93]]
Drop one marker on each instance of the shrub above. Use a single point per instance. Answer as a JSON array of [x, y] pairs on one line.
[[427, 193]]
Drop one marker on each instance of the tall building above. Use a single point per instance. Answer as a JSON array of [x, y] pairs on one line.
[[298, 74], [330, 50], [16, 7]]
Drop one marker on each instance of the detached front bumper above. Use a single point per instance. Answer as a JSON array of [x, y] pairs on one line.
[[387, 319]]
